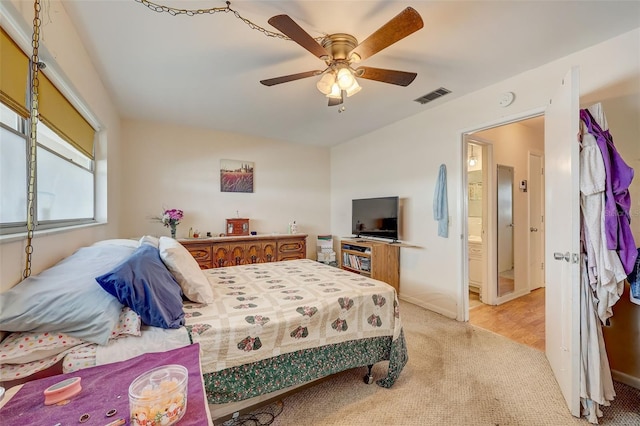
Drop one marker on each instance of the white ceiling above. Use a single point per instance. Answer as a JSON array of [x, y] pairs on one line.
[[205, 70]]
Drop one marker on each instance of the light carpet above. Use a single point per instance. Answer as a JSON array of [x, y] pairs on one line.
[[457, 374]]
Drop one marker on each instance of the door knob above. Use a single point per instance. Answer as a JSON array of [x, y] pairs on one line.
[[559, 256], [532, 229]]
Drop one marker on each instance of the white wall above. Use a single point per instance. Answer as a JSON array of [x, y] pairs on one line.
[[622, 337], [67, 62], [168, 166], [403, 159]]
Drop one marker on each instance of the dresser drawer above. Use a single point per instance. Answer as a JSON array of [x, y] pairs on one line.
[[292, 249], [202, 254]]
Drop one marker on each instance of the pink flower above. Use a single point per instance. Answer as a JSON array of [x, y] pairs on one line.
[[171, 217]]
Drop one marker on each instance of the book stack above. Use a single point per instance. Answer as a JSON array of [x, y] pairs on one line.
[[356, 262], [324, 249]]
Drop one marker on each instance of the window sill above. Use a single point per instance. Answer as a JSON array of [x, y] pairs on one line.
[[46, 232]]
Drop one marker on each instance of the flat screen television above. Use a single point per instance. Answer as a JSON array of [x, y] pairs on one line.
[[375, 217]]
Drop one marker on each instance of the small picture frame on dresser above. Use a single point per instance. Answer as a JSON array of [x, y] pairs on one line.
[[237, 226]]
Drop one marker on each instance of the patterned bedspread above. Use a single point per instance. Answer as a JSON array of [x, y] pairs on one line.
[[268, 310]]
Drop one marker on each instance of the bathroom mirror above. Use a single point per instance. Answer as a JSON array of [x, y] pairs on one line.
[[505, 230]]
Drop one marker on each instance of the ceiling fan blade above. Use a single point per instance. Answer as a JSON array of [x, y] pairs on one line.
[[401, 78], [403, 24], [295, 32], [336, 101], [287, 78]]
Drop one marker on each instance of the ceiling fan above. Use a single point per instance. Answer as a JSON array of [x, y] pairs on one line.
[[340, 51]]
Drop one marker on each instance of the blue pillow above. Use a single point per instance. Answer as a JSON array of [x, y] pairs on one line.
[[144, 284]]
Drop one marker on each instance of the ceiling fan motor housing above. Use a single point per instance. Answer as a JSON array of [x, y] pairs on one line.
[[339, 45]]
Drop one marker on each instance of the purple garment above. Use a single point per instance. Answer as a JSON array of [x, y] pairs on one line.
[[617, 200], [104, 388]]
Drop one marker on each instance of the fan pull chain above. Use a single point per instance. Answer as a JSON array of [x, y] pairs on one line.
[[33, 137], [193, 12]]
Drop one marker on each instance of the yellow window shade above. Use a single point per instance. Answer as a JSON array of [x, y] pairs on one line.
[[14, 71], [54, 109], [58, 113]]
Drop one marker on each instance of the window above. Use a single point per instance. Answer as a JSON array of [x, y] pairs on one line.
[[64, 187], [64, 166], [13, 169]]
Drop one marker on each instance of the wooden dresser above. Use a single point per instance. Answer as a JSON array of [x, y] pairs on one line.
[[217, 252]]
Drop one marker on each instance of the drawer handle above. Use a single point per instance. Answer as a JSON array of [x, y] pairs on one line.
[[253, 259], [237, 260], [220, 262]]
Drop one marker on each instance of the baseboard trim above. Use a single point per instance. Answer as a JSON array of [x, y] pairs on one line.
[[512, 296], [625, 378], [429, 306]]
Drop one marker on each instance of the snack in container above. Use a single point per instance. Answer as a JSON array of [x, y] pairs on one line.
[[159, 396]]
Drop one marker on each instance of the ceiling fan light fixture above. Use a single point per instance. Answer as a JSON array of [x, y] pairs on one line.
[[354, 88], [325, 84], [345, 78], [473, 160], [336, 92]]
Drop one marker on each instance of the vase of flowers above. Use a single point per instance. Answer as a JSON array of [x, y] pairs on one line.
[[171, 219]]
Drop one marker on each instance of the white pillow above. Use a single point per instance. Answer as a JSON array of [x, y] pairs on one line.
[[185, 270], [117, 242], [152, 241]]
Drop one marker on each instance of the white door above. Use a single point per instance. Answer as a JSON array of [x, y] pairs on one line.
[[562, 214], [535, 189]]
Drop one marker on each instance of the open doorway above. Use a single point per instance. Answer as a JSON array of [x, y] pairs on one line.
[[510, 300]]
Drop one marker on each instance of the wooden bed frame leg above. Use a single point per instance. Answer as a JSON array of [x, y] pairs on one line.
[[368, 378]]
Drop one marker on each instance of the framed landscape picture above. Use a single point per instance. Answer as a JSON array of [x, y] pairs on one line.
[[236, 176]]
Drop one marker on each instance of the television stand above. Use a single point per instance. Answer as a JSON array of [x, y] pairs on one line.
[[375, 259]]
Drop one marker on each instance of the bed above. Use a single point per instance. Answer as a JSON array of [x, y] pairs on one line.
[[260, 327]]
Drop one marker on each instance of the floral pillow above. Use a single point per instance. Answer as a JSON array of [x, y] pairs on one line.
[[24, 347], [128, 324]]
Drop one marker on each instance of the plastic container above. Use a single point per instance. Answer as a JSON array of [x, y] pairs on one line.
[[159, 396]]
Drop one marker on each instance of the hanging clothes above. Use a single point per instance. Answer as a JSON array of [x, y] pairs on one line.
[[605, 271], [603, 177], [440, 203], [617, 218], [596, 383]]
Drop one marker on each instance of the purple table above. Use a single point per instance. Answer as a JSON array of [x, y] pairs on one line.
[[105, 388]]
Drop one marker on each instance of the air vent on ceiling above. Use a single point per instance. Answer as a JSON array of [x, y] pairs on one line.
[[431, 96]]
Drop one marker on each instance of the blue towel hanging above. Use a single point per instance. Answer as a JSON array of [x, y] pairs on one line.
[[634, 278], [440, 207]]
